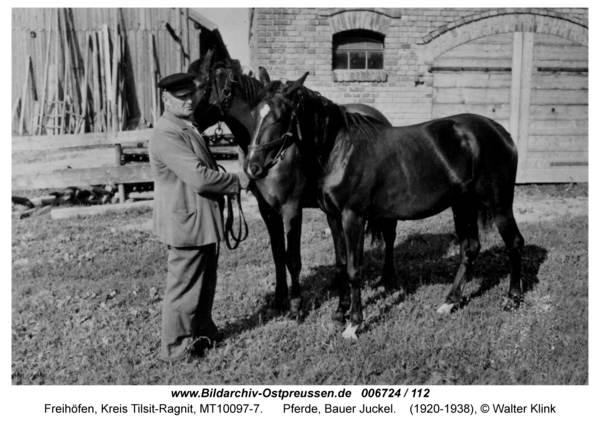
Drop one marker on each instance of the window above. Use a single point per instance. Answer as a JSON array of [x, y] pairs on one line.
[[358, 49]]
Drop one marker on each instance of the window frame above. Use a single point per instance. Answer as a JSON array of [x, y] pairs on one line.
[[350, 41]]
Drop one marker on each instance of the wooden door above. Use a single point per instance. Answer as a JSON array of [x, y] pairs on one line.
[[558, 112], [534, 85]]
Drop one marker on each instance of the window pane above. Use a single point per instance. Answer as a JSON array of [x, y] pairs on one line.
[[358, 60], [373, 45], [375, 60], [340, 60]]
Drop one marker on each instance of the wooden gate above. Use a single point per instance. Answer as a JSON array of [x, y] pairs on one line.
[[535, 85]]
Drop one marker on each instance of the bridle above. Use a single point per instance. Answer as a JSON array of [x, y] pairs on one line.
[[283, 142], [224, 98]]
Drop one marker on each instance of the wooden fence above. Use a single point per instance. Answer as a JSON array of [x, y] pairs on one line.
[[107, 175], [113, 175]]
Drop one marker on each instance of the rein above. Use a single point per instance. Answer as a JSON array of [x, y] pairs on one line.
[[285, 141], [232, 240]]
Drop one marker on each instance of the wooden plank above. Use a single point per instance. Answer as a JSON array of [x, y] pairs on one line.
[[553, 40], [474, 62], [78, 140], [524, 101], [557, 175], [471, 80], [44, 86], [24, 97], [564, 97], [558, 112], [67, 213], [546, 159], [479, 51], [91, 176], [559, 128], [552, 81], [546, 143], [471, 95], [515, 92], [559, 63], [566, 54]]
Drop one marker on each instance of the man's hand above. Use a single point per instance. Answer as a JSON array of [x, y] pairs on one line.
[[244, 180]]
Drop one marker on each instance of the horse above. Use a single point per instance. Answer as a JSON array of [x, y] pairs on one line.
[[226, 94], [368, 171]]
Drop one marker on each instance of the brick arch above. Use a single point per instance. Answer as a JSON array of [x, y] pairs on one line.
[[504, 21], [360, 19]]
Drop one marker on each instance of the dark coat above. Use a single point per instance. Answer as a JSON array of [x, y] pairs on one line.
[[188, 188]]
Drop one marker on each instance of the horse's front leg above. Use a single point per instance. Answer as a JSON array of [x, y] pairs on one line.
[[339, 245], [274, 224], [354, 235], [292, 222], [340, 281]]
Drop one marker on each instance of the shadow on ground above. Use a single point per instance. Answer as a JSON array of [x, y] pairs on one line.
[[421, 260]]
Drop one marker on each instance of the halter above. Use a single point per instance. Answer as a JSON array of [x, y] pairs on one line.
[[224, 99], [285, 141]]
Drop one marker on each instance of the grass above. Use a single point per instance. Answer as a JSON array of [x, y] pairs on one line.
[[87, 305]]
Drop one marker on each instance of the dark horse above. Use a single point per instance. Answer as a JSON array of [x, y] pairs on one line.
[[368, 171], [227, 95]]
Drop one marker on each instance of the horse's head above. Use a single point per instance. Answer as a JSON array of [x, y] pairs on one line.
[[226, 94], [276, 126], [206, 113]]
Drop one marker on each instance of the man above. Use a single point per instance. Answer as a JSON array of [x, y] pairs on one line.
[[188, 217]]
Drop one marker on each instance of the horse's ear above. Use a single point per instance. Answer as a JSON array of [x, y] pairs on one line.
[[263, 75], [250, 74], [296, 84], [207, 62]]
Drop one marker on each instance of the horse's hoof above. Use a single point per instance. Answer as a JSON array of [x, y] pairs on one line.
[[446, 308], [511, 303], [350, 332], [296, 311], [356, 318]]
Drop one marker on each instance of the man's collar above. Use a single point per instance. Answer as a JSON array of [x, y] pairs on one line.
[[176, 120]]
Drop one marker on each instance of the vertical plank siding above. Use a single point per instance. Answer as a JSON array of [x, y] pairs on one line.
[[30, 28]]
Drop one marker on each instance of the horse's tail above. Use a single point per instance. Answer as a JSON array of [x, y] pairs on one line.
[[484, 217], [375, 229]]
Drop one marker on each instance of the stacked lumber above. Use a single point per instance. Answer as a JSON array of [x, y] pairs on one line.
[[83, 90]]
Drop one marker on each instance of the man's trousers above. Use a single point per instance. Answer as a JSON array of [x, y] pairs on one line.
[[188, 301]]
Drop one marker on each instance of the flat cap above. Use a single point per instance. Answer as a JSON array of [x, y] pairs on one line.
[[178, 84]]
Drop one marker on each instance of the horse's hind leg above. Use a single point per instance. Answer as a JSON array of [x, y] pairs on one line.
[[507, 227], [388, 276], [339, 244], [465, 222], [354, 234]]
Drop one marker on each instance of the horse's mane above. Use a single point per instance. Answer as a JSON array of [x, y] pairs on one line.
[[359, 128]]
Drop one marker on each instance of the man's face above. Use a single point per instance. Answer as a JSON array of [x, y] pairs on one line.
[[180, 106]]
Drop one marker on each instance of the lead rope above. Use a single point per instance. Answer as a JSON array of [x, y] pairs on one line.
[[242, 233]]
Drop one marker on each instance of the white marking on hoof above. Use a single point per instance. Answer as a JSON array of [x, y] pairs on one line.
[[350, 332], [446, 308]]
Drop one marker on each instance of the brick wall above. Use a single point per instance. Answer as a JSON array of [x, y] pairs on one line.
[[289, 42]]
